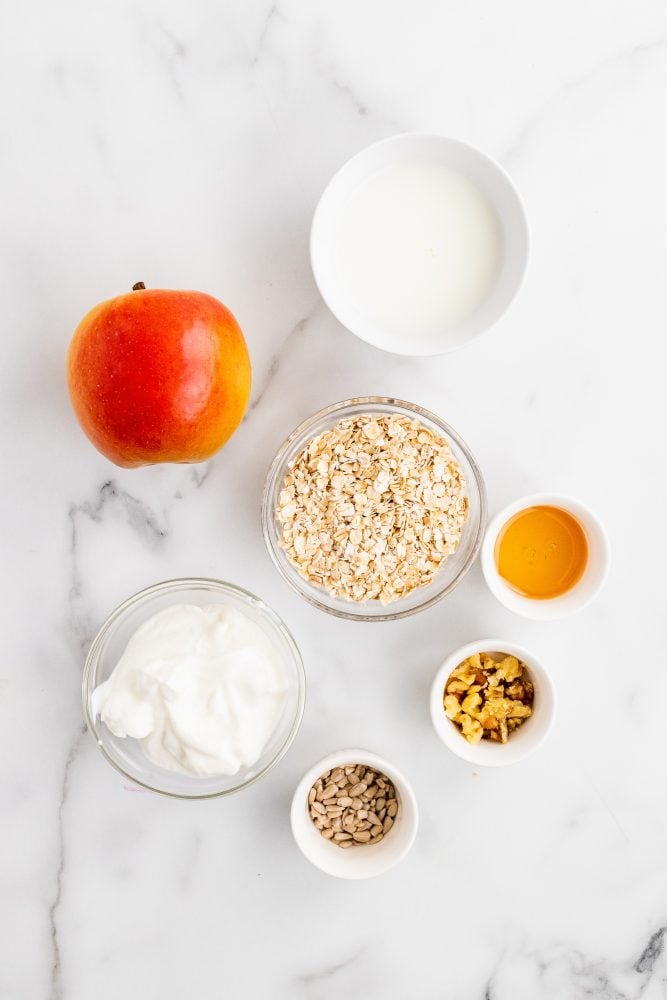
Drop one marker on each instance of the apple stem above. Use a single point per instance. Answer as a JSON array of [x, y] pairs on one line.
[[137, 286]]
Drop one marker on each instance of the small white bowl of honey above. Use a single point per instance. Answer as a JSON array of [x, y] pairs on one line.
[[545, 556]]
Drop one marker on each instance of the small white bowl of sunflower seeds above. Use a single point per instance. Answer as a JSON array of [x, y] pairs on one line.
[[492, 702], [354, 815]]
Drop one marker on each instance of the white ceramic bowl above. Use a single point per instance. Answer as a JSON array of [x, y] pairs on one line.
[[524, 740], [582, 593], [358, 862], [490, 179]]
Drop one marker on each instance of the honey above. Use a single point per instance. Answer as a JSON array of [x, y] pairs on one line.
[[541, 552]]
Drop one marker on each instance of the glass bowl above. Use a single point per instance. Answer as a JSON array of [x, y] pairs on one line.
[[455, 567], [126, 754]]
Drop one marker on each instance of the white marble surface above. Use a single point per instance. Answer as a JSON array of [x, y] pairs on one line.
[[186, 145]]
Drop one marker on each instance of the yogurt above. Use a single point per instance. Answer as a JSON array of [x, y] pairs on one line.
[[202, 689]]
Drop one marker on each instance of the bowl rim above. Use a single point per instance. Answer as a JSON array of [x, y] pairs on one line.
[[331, 760], [552, 608], [175, 585], [278, 462], [399, 138], [457, 744]]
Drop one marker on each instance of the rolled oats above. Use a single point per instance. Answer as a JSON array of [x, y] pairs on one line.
[[371, 508]]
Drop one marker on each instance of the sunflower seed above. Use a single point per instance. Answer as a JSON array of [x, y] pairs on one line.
[[353, 805], [362, 837]]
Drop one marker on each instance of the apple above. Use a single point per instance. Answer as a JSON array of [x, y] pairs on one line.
[[159, 375]]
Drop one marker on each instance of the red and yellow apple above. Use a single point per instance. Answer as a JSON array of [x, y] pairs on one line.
[[159, 375]]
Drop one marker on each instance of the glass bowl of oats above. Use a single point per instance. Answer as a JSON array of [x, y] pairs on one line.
[[373, 509]]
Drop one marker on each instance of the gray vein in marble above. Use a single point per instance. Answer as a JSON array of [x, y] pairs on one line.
[[330, 72], [197, 475], [489, 991], [139, 517], [607, 64], [589, 977], [604, 802], [172, 52], [329, 971], [276, 360], [651, 952], [271, 15], [56, 970], [592, 975], [190, 861], [326, 70], [346, 91]]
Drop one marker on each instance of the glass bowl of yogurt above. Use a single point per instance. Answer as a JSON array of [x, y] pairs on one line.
[[193, 688]]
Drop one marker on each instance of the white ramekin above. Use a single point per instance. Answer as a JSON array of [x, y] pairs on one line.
[[440, 150], [573, 600], [524, 740], [358, 862]]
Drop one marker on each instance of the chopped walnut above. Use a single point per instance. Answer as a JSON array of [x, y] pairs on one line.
[[489, 698]]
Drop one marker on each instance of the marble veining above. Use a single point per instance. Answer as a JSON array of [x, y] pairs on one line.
[[187, 145], [138, 516], [274, 365], [56, 986], [610, 64]]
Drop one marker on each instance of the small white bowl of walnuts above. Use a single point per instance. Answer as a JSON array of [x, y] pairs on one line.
[[492, 702]]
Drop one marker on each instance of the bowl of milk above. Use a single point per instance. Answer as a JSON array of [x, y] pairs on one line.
[[419, 243]]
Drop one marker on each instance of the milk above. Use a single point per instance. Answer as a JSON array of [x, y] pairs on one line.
[[417, 249]]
